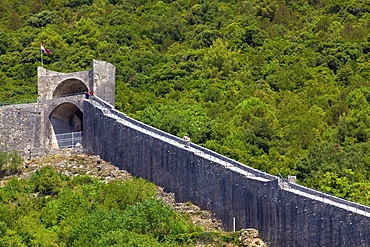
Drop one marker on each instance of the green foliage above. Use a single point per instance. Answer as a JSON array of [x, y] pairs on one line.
[[42, 19], [118, 195], [129, 239], [157, 219], [12, 191], [34, 233], [49, 209], [9, 163], [46, 181], [82, 180], [335, 169], [263, 82], [94, 226]]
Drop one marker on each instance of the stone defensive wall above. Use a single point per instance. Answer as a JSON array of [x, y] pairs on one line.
[[27, 128], [286, 214], [20, 127], [37, 127]]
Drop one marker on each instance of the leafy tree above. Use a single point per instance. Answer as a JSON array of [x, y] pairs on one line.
[[15, 21], [33, 233], [94, 226], [4, 42], [118, 195], [218, 61], [46, 181], [43, 18], [180, 119], [157, 219], [129, 239], [254, 36]]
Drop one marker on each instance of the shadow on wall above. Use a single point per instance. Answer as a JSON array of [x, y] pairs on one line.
[[69, 87], [66, 118]]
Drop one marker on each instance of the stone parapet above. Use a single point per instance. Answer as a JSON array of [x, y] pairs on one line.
[[237, 195]]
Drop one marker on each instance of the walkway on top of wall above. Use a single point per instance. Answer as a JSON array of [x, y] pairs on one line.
[[329, 199], [181, 144], [33, 101], [229, 163], [18, 102]]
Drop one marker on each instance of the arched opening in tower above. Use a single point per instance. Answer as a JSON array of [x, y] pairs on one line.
[[66, 121], [69, 87]]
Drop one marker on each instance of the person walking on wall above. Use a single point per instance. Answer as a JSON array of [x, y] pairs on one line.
[[187, 141]]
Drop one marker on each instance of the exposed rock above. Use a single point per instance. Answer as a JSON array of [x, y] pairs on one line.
[[250, 237], [71, 164]]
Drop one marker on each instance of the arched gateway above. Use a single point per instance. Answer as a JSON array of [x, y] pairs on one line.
[[67, 125], [62, 95], [57, 119], [285, 213], [70, 87]]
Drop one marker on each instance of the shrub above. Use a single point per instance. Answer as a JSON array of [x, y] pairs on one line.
[[118, 194], [46, 181], [157, 219], [9, 163], [82, 180], [94, 226]]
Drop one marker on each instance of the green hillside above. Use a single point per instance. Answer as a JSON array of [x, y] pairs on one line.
[[282, 86], [50, 202]]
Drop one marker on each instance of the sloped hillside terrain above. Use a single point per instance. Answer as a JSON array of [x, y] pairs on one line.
[[282, 86], [55, 192]]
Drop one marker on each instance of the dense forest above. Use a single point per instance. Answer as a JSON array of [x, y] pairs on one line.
[[282, 86]]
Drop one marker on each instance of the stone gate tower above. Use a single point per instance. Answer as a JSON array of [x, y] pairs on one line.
[[56, 120], [285, 213]]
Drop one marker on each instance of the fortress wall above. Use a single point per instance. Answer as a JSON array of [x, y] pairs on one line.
[[20, 129], [49, 80], [26, 128], [283, 218], [103, 83], [303, 221]]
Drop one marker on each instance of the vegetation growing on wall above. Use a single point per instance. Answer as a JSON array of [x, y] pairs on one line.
[[282, 86]]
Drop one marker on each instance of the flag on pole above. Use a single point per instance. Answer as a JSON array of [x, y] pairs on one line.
[[43, 49]]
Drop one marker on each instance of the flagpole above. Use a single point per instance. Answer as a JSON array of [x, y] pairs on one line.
[[42, 62]]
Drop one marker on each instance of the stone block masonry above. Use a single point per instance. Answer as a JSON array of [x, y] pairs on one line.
[[285, 214], [20, 127], [31, 129]]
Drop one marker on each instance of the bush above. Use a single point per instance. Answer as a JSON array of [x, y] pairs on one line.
[[118, 194], [157, 219], [82, 180], [94, 226], [46, 181], [9, 163], [128, 239]]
